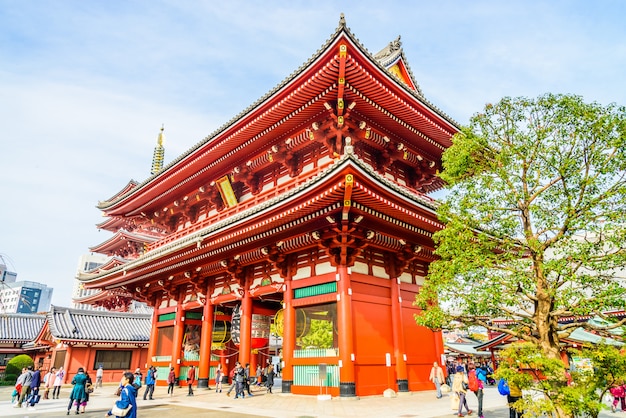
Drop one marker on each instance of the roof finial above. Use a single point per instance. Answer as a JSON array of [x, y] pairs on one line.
[[342, 20], [159, 153]]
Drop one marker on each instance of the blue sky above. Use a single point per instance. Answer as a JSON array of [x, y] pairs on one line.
[[86, 85]]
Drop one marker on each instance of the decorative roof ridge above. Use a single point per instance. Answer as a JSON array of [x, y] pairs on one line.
[[131, 185], [418, 94], [23, 314], [199, 235], [124, 233]]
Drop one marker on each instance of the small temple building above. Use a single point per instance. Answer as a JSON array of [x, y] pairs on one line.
[[306, 215], [73, 338]]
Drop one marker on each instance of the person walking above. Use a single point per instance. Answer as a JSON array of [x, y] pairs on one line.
[[79, 393], [219, 374], [99, 376], [515, 394], [25, 378], [233, 382], [58, 382], [459, 387], [128, 396], [48, 381], [476, 385], [246, 380], [17, 390], [240, 375], [259, 375], [270, 378], [35, 383], [88, 389], [436, 376], [191, 379], [171, 380], [150, 381]]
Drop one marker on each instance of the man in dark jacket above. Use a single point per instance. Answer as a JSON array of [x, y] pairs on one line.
[[34, 387]]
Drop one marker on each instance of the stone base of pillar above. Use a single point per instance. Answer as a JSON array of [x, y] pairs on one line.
[[287, 386], [203, 383], [347, 389], [403, 385]]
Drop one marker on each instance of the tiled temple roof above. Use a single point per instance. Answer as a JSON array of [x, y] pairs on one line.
[[20, 328], [85, 325]]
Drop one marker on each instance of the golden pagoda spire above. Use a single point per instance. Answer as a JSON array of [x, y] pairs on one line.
[[159, 153]]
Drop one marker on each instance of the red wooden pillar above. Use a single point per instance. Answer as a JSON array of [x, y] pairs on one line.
[[153, 341], [204, 367], [397, 326], [246, 326], [289, 335], [347, 383], [179, 332]]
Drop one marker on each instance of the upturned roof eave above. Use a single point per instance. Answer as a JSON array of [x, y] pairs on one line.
[[249, 113], [423, 202]]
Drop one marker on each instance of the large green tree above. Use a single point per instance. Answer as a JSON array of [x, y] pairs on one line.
[[535, 220]]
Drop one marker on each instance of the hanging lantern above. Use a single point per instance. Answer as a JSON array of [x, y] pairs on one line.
[[303, 323], [235, 325], [221, 333], [260, 331]]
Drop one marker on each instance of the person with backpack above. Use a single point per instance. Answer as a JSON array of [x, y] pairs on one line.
[[476, 385], [137, 379]]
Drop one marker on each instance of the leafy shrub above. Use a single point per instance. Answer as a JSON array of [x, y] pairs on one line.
[[17, 363]]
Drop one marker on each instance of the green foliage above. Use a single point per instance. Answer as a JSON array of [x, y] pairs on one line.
[[9, 380], [320, 335], [17, 363], [535, 219], [550, 389]]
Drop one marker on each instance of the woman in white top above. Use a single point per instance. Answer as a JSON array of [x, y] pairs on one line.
[[58, 381]]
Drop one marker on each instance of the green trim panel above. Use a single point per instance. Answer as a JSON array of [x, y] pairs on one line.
[[316, 290], [167, 317], [309, 376]]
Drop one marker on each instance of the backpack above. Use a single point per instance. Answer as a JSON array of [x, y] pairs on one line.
[[472, 381], [503, 387], [137, 382]]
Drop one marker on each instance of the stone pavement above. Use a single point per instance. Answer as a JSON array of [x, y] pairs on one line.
[[207, 403]]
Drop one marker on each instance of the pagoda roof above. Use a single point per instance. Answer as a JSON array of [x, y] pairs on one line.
[[393, 207], [119, 238], [111, 262], [79, 325], [379, 96], [112, 224], [125, 190], [20, 328], [393, 54]]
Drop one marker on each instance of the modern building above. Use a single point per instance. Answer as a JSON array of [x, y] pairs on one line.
[[308, 213], [22, 296]]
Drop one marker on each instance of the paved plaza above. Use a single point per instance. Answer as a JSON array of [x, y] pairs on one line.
[[207, 403]]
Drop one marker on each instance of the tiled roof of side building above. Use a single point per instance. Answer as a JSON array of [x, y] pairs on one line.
[[87, 325], [19, 327]]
